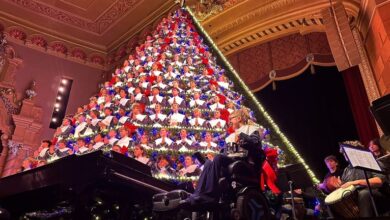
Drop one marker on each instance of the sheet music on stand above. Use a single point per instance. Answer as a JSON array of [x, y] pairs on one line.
[[364, 160], [360, 158]]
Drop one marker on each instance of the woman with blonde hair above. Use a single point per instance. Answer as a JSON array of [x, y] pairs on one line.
[[246, 136]]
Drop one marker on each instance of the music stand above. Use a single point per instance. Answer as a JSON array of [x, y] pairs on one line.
[[364, 160], [293, 176]]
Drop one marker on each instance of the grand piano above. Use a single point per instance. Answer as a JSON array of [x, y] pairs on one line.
[[83, 187]]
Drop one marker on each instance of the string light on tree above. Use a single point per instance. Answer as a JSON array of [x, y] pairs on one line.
[[249, 94]]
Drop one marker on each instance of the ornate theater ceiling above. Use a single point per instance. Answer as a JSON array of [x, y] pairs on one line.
[[84, 29], [100, 32], [238, 24]]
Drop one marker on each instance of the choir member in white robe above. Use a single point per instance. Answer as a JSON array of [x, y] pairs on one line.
[[158, 118], [164, 142], [125, 140], [62, 150], [176, 118], [217, 122], [197, 119], [139, 154], [184, 143]]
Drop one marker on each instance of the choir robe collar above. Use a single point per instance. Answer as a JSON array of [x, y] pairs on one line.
[[204, 144], [158, 98], [213, 123], [177, 117], [160, 116], [217, 106], [143, 160], [124, 142], [178, 100], [167, 141], [200, 121], [198, 102], [98, 145]]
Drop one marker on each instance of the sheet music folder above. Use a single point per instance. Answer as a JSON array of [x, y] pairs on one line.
[[361, 158]]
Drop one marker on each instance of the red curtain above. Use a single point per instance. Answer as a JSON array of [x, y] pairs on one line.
[[365, 123]]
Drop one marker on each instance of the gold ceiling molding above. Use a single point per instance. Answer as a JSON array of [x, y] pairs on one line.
[[301, 25], [98, 50], [256, 13], [255, 22], [208, 8], [99, 26]]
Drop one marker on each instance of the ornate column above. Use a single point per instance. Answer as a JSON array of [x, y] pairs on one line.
[[366, 72], [365, 69], [26, 137]]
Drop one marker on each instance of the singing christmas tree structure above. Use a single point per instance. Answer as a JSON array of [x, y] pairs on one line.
[[172, 97]]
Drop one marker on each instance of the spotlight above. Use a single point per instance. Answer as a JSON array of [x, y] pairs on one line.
[[57, 105], [59, 97], [64, 81], [57, 109], [61, 89], [54, 119]]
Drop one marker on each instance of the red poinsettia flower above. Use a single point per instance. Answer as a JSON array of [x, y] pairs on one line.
[[222, 98], [210, 71], [230, 130], [130, 127], [205, 61], [113, 80], [124, 150], [224, 114], [151, 79], [159, 66], [213, 82], [147, 92], [201, 50]]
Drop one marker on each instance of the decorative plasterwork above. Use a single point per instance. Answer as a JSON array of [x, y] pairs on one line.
[[56, 48], [100, 25], [118, 28], [254, 22]]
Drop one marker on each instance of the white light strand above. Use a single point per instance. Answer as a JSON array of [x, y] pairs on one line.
[[275, 127]]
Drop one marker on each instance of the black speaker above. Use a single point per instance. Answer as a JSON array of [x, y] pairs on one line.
[[381, 110]]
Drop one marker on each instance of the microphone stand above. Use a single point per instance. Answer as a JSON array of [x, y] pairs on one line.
[[290, 183]]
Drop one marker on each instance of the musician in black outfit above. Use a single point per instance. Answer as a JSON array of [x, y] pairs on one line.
[[248, 137], [353, 176], [334, 172]]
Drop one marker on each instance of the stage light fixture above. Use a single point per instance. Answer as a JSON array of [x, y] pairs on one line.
[[61, 102], [54, 119]]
